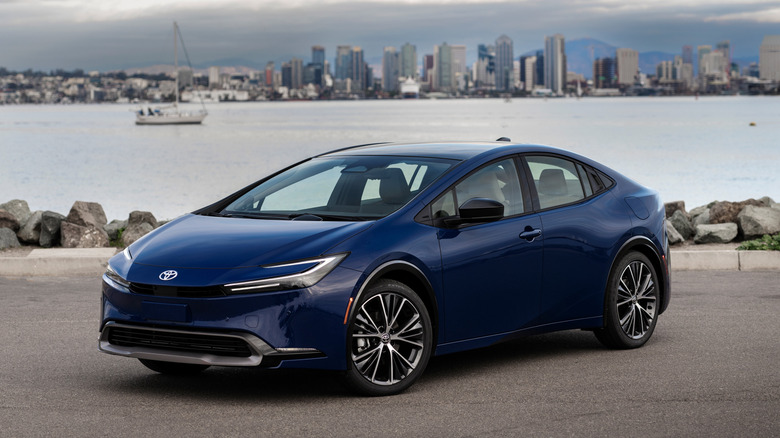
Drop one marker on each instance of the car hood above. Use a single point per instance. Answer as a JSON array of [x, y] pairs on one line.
[[208, 242]]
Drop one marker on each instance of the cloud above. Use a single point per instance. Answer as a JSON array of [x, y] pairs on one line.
[[109, 35]]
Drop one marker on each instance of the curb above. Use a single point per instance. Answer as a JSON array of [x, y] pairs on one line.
[[63, 262]]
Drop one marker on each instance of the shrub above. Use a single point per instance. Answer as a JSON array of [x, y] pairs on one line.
[[766, 243]]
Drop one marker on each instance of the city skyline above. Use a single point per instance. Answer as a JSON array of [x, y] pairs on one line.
[[105, 36]]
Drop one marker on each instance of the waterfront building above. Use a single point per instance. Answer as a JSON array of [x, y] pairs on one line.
[[343, 62], [360, 80], [390, 69], [724, 47], [443, 79], [539, 76], [555, 64], [313, 75], [484, 68], [626, 66], [664, 72], [427, 68], [296, 73], [269, 74], [529, 72], [687, 54], [700, 52], [683, 73], [459, 66], [604, 73], [505, 56], [318, 55], [769, 58], [408, 61], [286, 75], [214, 81]]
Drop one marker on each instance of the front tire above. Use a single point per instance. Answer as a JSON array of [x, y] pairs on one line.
[[389, 341], [173, 368], [631, 303]]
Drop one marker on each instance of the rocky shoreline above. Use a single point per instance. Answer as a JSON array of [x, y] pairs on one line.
[[86, 226]]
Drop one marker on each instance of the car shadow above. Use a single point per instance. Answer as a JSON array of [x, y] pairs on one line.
[[291, 385]]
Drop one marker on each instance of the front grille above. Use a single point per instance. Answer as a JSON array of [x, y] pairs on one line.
[[177, 291], [217, 345]]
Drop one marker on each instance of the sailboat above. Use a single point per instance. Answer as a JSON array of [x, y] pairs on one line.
[[172, 115]]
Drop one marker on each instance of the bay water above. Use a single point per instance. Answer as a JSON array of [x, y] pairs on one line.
[[696, 150]]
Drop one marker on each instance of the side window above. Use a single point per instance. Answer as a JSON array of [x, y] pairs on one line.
[[497, 181], [556, 179]]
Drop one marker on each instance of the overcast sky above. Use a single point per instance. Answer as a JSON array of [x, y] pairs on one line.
[[109, 35]]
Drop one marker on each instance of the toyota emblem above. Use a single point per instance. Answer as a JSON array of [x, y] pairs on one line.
[[168, 275]]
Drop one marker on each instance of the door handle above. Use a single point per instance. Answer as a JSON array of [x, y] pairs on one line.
[[530, 234]]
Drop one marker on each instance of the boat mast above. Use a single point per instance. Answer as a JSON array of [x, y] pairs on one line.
[[176, 62]]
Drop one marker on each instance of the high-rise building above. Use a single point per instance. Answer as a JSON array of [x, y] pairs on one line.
[[442, 64], [358, 69], [427, 68], [318, 55], [408, 65], [296, 75], [343, 62], [505, 56], [626, 66], [269, 74], [687, 55], [539, 77], [390, 69], [724, 47], [769, 58], [286, 75], [700, 52], [484, 69], [529, 72], [214, 77], [604, 73], [458, 59], [555, 63]]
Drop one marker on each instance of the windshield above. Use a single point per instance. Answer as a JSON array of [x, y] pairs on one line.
[[343, 188]]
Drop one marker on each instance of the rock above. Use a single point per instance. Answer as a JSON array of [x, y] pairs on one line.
[[671, 232], [702, 219], [716, 233], [757, 221], [31, 231], [19, 209], [681, 223], [723, 212], [113, 228], [87, 214], [8, 239], [768, 202], [7, 220], [697, 211], [50, 228], [671, 207], [138, 224], [78, 236]]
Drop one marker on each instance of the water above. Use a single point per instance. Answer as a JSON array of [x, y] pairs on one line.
[[687, 149]]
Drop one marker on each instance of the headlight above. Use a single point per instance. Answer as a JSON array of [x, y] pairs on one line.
[[319, 268], [127, 254], [116, 278]]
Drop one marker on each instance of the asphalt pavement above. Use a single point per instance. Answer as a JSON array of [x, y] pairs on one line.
[[711, 369]]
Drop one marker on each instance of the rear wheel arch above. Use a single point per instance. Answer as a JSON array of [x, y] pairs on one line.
[[645, 246]]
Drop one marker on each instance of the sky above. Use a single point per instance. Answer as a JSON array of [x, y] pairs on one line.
[[108, 35]]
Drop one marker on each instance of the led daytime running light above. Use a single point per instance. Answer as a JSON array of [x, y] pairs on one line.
[[303, 279]]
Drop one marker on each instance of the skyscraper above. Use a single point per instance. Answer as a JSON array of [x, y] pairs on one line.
[[626, 66], [269, 74], [724, 47], [296, 74], [343, 62], [214, 77], [484, 74], [408, 67], [769, 58], [442, 65], [358, 69], [687, 55], [390, 69], [504, 63], [318, 55], [604, 73], [427, 68], [529, 72], [700, 52], [555, 63], [539, 76]]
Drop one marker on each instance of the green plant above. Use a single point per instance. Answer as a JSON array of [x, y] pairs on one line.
[[766, 243]]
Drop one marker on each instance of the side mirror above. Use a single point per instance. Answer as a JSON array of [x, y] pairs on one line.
[[477, 210]]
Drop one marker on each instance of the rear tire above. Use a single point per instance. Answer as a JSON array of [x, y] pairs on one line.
[[173, 368], [630, 304], [389, 340]]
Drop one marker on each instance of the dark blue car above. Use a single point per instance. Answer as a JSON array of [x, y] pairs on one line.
[[373, 258]]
